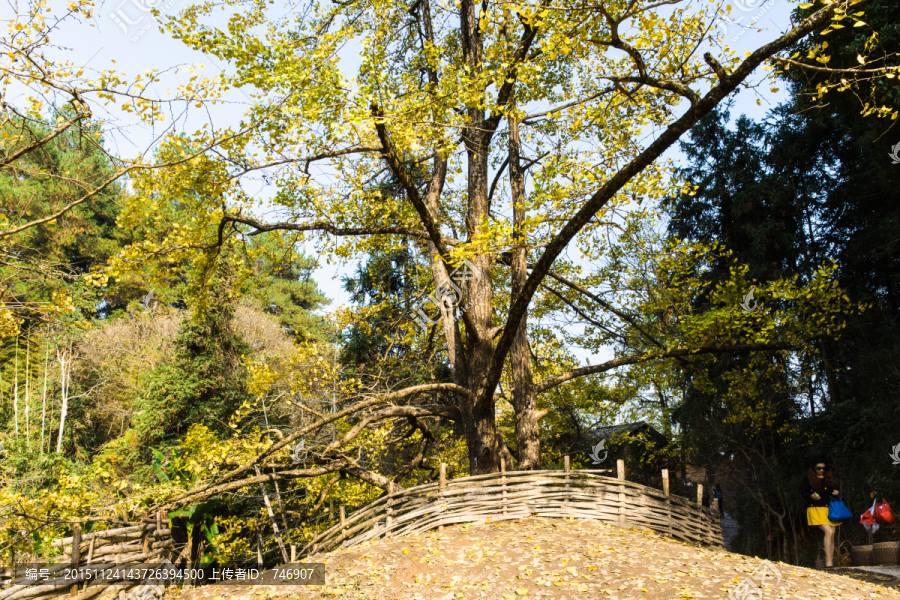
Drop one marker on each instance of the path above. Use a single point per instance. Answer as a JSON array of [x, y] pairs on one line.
[[884, 576], [729, 530]]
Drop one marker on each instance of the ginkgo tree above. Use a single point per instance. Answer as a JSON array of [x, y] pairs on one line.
[[521, 135]]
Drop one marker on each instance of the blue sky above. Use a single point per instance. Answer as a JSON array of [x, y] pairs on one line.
[[124, 36]]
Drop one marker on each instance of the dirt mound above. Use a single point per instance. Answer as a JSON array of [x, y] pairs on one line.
[[550, 558]]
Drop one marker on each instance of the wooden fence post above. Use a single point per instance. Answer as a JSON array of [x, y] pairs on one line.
[[343, 522], [76, 554], [118, 560], [707, 521], [91, 550], [293, 553], [620, 475], [442, 485], [665, 483], [566, 471], [145, 535], [390, 510], [159, 526], [259, 556], [503, 484], [331, 510]]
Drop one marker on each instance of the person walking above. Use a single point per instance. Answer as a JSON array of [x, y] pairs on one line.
[[717, 494], [817, 488]]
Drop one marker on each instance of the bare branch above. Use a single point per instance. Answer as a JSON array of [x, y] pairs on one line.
[[333, 229], [602, 196], [641, 358], [202, 491]]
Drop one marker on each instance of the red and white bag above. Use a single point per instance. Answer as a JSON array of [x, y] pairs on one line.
[[868, 520], [883, 513]]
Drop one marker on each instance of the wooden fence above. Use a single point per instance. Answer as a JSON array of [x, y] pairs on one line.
[[149, 541], [583, 494]]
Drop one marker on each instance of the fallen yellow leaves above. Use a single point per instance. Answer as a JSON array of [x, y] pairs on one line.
[[665, 573]]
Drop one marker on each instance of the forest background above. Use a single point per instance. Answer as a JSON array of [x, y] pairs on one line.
[[162, 337]]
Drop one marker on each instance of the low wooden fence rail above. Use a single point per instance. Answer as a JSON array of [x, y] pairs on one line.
[[583, 494], [148, 541]]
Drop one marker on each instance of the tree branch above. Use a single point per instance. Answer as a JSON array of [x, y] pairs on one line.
[[201, 492], [442, 410], [641, 358], [607, 191], [333, 229], [209, 492]]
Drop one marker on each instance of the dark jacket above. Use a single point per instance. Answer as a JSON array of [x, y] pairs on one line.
[[806, 490]]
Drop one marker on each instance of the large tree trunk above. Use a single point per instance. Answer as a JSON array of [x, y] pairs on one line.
[[524, 396], [470, 358], [483, 448], [478, 414]]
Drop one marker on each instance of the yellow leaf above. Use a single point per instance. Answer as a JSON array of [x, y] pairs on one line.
[[521, 591]]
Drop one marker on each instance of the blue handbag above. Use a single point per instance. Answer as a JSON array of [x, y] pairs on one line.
[[838, 511]]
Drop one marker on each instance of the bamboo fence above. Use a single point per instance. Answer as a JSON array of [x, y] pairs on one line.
[[148, 541], [583, 494]]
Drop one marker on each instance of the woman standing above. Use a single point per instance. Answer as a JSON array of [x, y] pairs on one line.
[[718, 495], [817, 488]]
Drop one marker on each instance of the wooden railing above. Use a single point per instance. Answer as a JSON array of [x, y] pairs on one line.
[[583, 494], [147, 542]]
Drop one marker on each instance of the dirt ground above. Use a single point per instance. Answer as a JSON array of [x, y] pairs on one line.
[[551, 559]]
